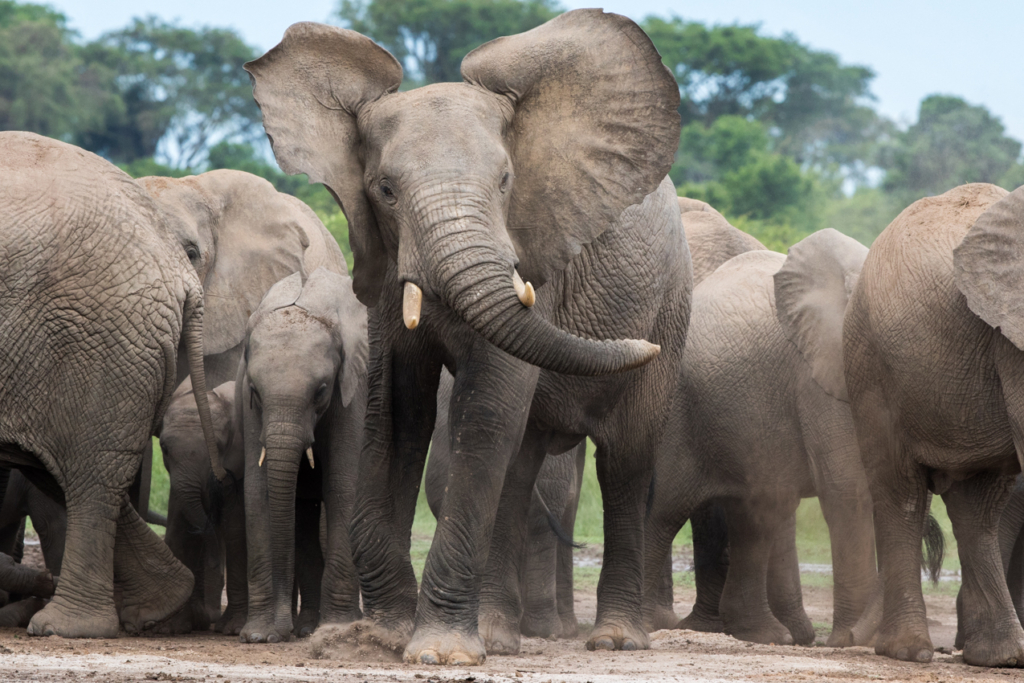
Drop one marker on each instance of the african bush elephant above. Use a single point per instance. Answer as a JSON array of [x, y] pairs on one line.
[[932, 354], [757, 427], [546, 582], [546, 166], [301, 390], [201, 517], [95, 303]]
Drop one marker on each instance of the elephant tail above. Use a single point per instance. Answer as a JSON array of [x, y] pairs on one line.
[[934, 548], [564, 537]]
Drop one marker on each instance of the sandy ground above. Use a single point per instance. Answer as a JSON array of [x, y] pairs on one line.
[[675, 656]]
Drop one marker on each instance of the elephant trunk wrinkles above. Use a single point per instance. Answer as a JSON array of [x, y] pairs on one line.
[[192, 336], [477, 283], [284, 451], [191, 496]]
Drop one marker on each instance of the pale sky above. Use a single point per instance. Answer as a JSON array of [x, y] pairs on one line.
[[916, 47]]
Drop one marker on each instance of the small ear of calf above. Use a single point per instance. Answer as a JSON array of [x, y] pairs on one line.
[[811, 292]]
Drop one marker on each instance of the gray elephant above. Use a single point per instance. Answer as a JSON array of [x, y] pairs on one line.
[[301, 390], [96, 303], [546, 168], [201, 517], [546, 580], [756, 427], [932, 354]]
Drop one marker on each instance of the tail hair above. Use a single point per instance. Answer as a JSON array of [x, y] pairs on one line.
[[934, 548]]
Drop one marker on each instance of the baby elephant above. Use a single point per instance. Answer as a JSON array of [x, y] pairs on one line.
[[206, 520], [302, 390]]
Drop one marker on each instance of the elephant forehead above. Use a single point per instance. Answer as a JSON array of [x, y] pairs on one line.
[[452, 110]]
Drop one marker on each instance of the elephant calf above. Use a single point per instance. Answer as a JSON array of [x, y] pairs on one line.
[[302, 391], [206, 521], [756, 426]]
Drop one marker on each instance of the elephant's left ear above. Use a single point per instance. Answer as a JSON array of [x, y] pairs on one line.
[[811, 292], [595, 129], [989, 266]]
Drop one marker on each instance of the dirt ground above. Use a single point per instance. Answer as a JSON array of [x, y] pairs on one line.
[[675, 656]]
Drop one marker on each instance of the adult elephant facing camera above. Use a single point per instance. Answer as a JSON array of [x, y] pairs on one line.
[[546, 165]]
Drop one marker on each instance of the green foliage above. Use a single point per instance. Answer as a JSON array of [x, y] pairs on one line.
[[430, 37], [1013, 178], [864, 215], [952, 143]]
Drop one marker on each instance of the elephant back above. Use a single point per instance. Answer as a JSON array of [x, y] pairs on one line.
[[711, 238]]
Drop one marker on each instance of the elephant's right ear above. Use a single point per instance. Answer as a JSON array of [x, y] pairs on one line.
[[311, 88], [594, 129], [989, 266], [811, 292]]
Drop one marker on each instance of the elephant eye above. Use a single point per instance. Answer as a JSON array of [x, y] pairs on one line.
[[192, 251], [322, 395], [388, 191], [506, 180]]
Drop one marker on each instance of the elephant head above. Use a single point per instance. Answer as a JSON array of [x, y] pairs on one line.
[[811, 292], [989, 263], [474, 190], [711, 238], [242, 236]]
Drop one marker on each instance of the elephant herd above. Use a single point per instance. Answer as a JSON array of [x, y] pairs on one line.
[[524, 278]]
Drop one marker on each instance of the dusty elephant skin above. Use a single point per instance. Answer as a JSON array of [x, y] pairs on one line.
[[935, 372], [545, 169], [301, 392], [546, 580], [743, 370], [202, 517], [95, 304]]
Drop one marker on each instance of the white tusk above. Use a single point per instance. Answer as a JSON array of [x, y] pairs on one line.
[[309, 456], [412, 299], [263, 454], [524, 290]]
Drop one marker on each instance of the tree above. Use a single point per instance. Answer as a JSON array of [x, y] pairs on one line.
[[181, 90], [952, 143], [430, 37], [815, 107]]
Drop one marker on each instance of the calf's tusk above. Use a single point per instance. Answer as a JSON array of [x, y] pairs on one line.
[[412, 299], [263, 454], [309, 456], [524, 290]]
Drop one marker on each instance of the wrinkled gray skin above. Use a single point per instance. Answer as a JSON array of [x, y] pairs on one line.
[[97, 301], [551, 158], [743, 369], [545, 584], [302, 384], [201, 517], [935, 372]]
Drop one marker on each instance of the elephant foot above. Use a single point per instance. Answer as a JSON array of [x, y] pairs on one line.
[[501, 635], [840, 637], [799, 627], [265, 631], [661, 617], [58, 620], [535, 625], [767, 631], [17, 614], [569, 628], [608, 635], [231, 622], [191, 617], [701, 622], [149, 600], [306, 622], [996, 647], [905, 644], [441, 646]]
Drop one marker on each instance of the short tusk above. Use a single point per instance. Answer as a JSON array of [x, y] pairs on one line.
[[524, 290], [263, 454], [412, 299], [309, 456]]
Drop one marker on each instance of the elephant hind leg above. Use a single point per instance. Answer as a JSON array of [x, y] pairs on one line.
[[710, 568], [784, 594], [992, 632]]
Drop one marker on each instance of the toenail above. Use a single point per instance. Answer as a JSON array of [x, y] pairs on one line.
[[48, 631], [255, 637], [273, 638], [628, 645], [462, 659], [924, 656], [902, 654], [604, 643], [429, 657]]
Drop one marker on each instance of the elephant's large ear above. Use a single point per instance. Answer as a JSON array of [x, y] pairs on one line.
[[594, 130], [349, 318], [311, 88], [989, 266], [811, 292]]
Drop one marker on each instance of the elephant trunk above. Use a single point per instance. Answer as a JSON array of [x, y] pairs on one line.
[[190, 500], [192, 337], [283, 454], [479, 285]]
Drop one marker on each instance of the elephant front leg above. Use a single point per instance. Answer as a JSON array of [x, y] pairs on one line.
[[992, 632], [784, 595], [710, 568], [232, 535], [489, 407]]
